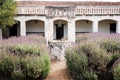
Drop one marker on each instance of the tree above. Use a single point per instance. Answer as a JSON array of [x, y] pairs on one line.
[[7, 13]]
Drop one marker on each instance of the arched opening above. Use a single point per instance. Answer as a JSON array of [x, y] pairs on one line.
[[11, 31], [83, 26], [60, 30], [107, 26], [35, 27]]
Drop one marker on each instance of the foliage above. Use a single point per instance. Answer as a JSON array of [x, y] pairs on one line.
[[8, 62], [110, 45], [89, 75], [117, 73], [88, 37], [24, 49], [100, 51], [7, 12], [24, 58], [78, 66], [37, 67]]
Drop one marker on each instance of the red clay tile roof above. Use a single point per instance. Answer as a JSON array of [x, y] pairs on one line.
[[65, 3]]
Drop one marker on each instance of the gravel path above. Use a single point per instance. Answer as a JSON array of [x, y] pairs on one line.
[[58, 71]]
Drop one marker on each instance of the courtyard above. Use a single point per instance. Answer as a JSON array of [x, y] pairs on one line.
[[59, 40]]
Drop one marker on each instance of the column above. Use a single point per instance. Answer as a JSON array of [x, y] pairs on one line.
[[95, 26], [22, 28], [118, 27], [71, 31], [0, 33], [49, 30]]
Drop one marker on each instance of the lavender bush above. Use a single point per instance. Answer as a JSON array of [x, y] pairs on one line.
[[116, 73], [24, 58], [102, 52], [96, 37], [77, 65]]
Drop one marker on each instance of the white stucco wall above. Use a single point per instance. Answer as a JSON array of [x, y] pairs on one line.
[[104, 26], [54, 32], [83, 26], [0, 33], [32, 26], [50, 27], [66, 31]]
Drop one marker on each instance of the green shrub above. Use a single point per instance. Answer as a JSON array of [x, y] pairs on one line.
[[23, 49], [82, 38], [89, 75], [117, 73], [96, 57], [8, 63], [110, 46], [35, 67], [24, 58], [77, 65], [102, 52], [88, 62], [17, 75], [29, 67], [24, 62]]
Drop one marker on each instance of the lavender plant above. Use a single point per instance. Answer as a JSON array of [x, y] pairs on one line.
[[24, 58], [102, 51], [117, 73]]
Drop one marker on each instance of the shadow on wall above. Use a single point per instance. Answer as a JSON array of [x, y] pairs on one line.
[[11, 31]]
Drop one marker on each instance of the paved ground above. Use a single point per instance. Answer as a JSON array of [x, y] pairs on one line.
[[58, 71]]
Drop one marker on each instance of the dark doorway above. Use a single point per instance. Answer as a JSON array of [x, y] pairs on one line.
[[13, 30], [112, 27], [59, 31]]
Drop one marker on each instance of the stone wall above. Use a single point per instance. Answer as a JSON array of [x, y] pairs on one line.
[[57, 50]]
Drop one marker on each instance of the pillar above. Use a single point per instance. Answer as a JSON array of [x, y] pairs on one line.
[[71, 31], [22, 28], [95, 26], [118, 27], [0, 33], [49, 30]]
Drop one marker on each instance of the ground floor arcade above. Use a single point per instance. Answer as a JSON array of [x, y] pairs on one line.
[[62, 28]]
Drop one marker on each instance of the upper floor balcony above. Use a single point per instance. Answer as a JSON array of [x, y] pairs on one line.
[[68, 8]]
